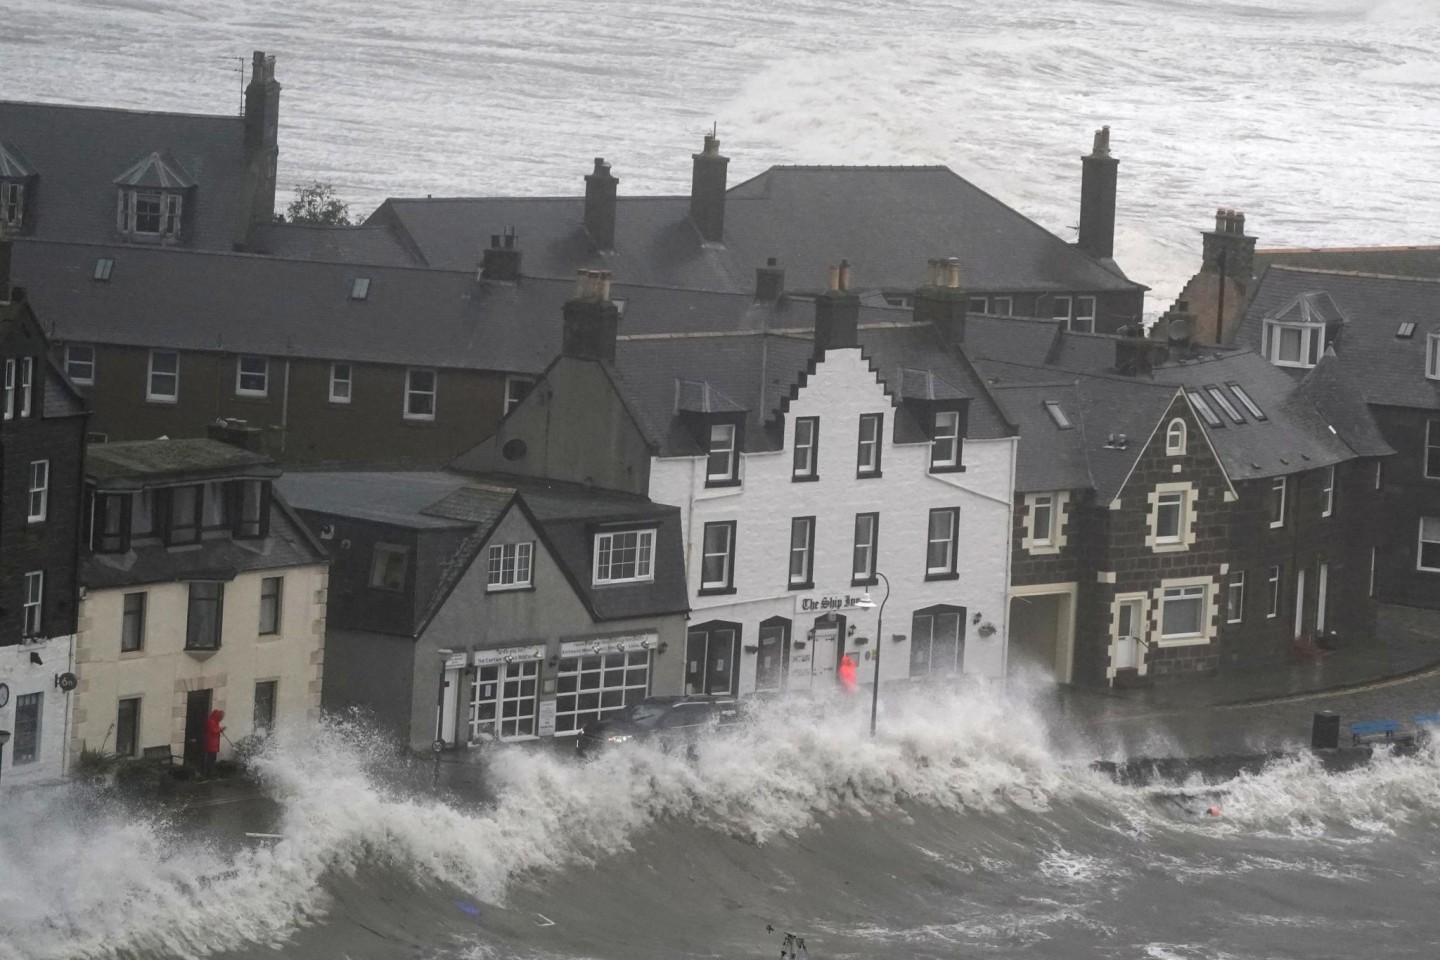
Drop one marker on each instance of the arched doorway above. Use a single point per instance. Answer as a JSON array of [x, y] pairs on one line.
[[772, 663]]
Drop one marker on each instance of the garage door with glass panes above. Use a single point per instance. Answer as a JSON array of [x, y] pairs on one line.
[[591, 686]]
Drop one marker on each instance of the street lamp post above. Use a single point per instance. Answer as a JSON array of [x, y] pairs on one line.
[[866, 603]]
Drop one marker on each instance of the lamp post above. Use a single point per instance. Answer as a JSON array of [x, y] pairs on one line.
[[866, 603], [4, 739]]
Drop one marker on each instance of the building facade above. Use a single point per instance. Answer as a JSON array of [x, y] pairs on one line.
[[42, 438], [202, 591]]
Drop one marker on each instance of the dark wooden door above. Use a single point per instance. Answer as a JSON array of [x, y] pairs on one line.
[[197, 710]]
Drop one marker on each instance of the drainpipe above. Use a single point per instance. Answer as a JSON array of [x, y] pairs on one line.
[[285, 406]]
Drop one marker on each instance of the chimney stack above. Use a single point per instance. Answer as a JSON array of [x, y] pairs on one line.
[[262, 145], [501, 260], [769, 281], [600, 205], [942, 302], [1097, 199], [707, 191], [837, 314], [592, 322], [1227, 249]]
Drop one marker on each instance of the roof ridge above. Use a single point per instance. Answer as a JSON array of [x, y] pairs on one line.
[[1419, 246], [1351, 273], [99, 109]]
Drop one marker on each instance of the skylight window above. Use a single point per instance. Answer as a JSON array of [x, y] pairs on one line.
[[1406, 331], [1052, 407], [360, 289], [1204, 409], [1245, 401], [1224, 403], [103, 266]]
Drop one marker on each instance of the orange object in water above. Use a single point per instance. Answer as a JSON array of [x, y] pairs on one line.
[[1213, 811], [848, 682]]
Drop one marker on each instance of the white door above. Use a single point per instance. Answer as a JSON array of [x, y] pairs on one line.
[[1321, 583], [502, 704], [1127, 635], [823, 656], [449, 696]]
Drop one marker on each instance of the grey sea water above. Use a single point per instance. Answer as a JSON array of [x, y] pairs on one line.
[[1319, 118]]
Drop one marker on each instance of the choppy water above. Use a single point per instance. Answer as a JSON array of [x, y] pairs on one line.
[[1320, 118], [958, 833]]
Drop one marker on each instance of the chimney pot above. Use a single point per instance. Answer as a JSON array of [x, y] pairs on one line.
[[952, 272], [591, 320], [844, 275], [940, 302]]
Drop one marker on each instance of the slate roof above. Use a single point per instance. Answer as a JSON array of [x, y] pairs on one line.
[[1415, 261], [380, 245], [759, 371], [1340, 402], [886, 220], [61, 399], [77, 154], [289, 544], [564, 514], [246, 303], [133, 464], [1049, 458], [1386, 369]]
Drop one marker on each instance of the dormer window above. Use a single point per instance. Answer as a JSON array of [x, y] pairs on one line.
[[12, 204], [1432, 356], [151, 200], [945, 445], [1296, 334], [720, 462]]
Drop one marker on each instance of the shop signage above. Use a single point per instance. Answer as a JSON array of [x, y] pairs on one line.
[[820, 603], [529, 651], [614, 644], [546, 725]]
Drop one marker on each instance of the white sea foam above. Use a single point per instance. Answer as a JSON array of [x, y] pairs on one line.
[[113, 883]]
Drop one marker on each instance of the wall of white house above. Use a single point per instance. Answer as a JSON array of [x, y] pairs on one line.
[[763, 504], [26, 678], [163, 672]]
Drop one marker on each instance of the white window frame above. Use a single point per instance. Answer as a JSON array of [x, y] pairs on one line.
[[276, 604], [412, 393], [381, 563], [513, 395], [1184, 592], [600, 666], [1246, 402], [804, 552], [1423, 539], [1043, 535], [241, 374], [1171, 500], [1329, 491], [947, 431], [342, 389], [1281, 484], [1175, 438], [39, 491], [1312, 340], [10, 389], [1273, 581], [1197, 400], [1063, 308], [510, 566], [1432, 356], [995, 308], [34, 608], [1432, 452], [722, 443], [1219, 397], [644, 555], [1235, 598], [12, 204], [726, 553], [865, 573], [73, 363], [27, 385], [805, 461], [951, 541], [1084, 319], [867, 452], [151, 373]]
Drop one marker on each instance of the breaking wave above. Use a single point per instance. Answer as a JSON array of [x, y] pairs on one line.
[[104, 882]]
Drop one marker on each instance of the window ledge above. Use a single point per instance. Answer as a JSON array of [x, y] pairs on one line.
[[166, 400], [1182, 641], [869, 474], [807, 585], [867, 582], [733, 482], [510, 588], [201, 655], [1043, 550], [1170, 547], [715, 591], [951, 468], [418, 421], [952, 575], [811, 477]]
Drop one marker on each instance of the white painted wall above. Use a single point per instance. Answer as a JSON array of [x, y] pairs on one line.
[[24, 677], [842, 388], [163, 672]]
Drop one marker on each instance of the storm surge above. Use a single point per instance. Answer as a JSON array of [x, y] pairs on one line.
[[959, 826]]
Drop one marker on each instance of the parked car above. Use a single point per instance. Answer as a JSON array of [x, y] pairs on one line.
[[669, 721]]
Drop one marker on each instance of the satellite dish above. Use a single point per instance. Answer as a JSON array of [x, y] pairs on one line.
[[1178, 330]]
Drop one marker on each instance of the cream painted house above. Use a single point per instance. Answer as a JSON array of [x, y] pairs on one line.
[[200, 591]]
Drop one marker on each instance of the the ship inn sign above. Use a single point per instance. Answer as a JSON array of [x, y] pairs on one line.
[[827, 602]]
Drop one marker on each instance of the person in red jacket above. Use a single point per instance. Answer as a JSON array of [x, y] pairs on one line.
[[213, 730], [848, 683]]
